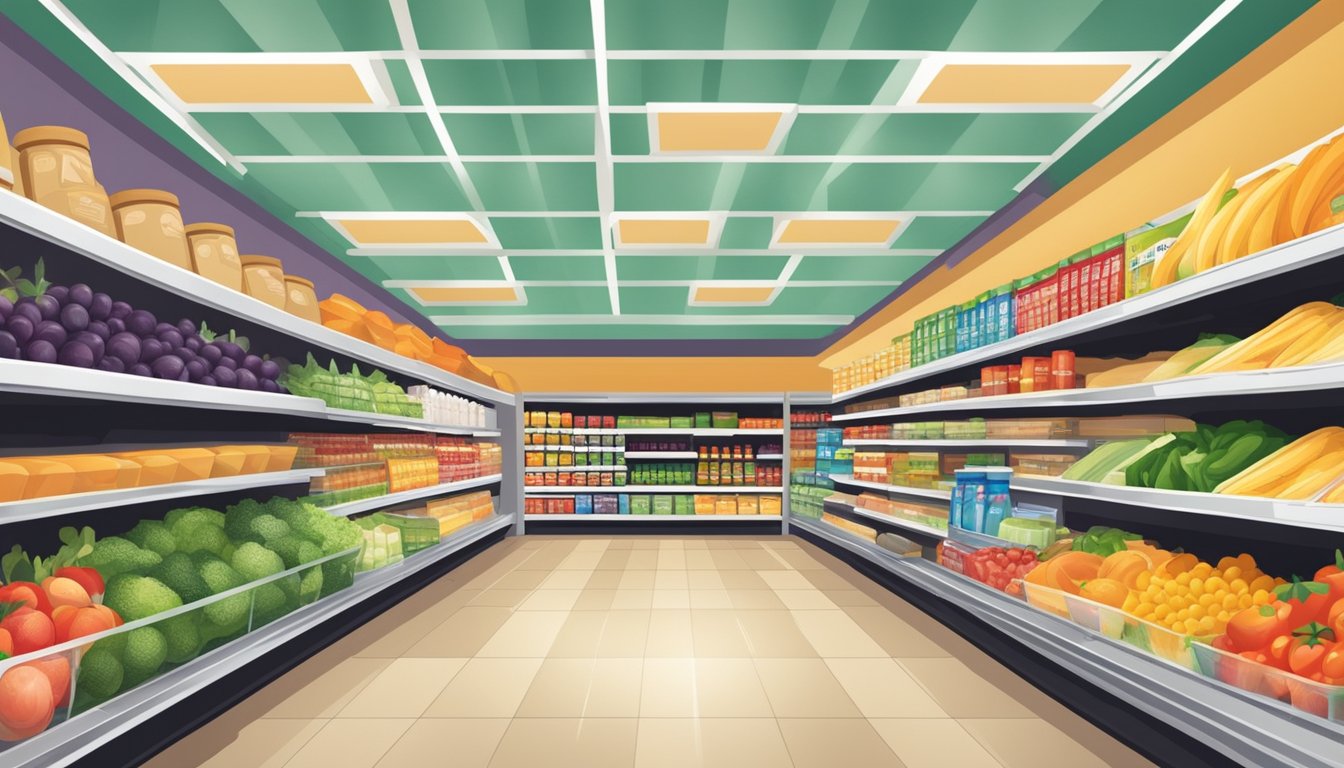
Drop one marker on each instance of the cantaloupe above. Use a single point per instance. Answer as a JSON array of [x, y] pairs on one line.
[[13, 479], [46, 477], [92, 473]]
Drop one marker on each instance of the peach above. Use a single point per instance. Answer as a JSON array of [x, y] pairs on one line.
[[26, 703], [65, 591], [31, 630]]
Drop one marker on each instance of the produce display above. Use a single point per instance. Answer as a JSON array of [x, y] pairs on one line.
[[31, 477], [564, 421], [350, 391], [75, 326], [654, 504], [1283, 203]]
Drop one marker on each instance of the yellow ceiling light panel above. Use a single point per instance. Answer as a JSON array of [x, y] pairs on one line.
[[664, 231], [465, 294], [264, 83], [1022, 83], [705, 294], [837, 231], [716, 132], [414, 231]]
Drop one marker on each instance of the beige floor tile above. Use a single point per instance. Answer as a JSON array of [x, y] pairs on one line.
[[774, 634], [594, 600], [671, 559], [463, 634], [260, 743], [580, 635], [961, 692], [828, 579], [614, 560], [711, 599], [403, 689], [729, 688], [565, 743], [551, 600], [835, 634], [501, 598], [755, 599], [896, 637], [580, 561], [718, 635], [623, 543], [520, 580], [670, 635], [604, 580], [670, 599], [671, 544], [708, 578], [933, 744], [670, 580], [785, 579], [742, 579], [804, 688], [699, 559], [728, 560], [799, 560], [394, 634], [584, 688], [710, 743], [668, 688], [567, 580], [486, 688], [696, 544], [645, 544], [472, 743], [632, 600], [882, 689], [350, 743], [1017, 743], [642, 560], [525, 634], [625, 634], [592, 545], [805, 599], [849, 597], [829, 743], [638, 579], [720, 544], [765, 560], [325, 692]]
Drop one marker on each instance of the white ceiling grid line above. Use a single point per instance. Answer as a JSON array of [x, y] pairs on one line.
[[660, 158], [606, 181], [413, 251], [577, 319]]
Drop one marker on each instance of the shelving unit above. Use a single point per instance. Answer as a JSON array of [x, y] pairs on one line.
[[971, 443], [901, 490], [379, 502], [655, 518], [906, 526], [712, 489]]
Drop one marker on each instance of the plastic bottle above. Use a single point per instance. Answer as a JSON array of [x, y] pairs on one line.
[[973, 499], [998, 502], [958, 490]]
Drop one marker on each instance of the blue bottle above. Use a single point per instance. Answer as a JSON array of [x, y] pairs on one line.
[[973, 499], [998, 501]]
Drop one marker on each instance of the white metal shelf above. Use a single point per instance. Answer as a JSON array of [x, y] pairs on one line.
[[50, 380], [53, 506], [903, 490], [599, 468], [968, 443], [1245, 728], [1271, 381], [378, 502], [693, 431], [661, 455], [893, 520], [720, 490], [81, 736], [1325, 517], [1305, 251], [652, 518], [23, 214]]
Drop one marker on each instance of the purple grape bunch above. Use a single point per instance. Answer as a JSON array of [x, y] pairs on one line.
[[78, 327]]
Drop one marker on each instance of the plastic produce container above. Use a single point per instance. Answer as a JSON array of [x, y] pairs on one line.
[[1309, 696]]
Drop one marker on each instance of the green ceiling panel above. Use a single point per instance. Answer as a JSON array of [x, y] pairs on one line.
[[316, 133], [925, 186], [637, 331], [931, 134], [558, 268], [526, 233], [457, 82], [747, 232], [363, 186], [478, 24], [941, 232], [700, 267], [434, 267], [792, 82], [543, 300], [239, 25], [521, 134], [402, 84], [878, 268], [845, 300], [629, 134], [535, 186]]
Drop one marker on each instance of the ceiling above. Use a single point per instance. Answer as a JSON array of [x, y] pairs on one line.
[[643, 169]]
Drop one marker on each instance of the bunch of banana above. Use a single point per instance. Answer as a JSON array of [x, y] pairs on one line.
[[1308, 334], [1282, 204], [1299, 470]]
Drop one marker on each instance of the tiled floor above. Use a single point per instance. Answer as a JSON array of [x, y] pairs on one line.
[[650, 652]]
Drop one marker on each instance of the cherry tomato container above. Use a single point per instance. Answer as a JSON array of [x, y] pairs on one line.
[[1307, 695]]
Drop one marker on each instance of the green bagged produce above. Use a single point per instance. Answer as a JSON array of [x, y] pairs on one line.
[[1103, 541], [1093, 467]]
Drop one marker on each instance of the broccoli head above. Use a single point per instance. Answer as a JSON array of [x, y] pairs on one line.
[[222, 618], [136, 597], [254, 561], [199, 514], [113, 556], [179, 573], [154, 536], [238, 518]]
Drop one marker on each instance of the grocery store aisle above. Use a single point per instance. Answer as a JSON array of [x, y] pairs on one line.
[[650, 652]]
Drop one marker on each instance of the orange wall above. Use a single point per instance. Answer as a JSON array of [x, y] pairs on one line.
[[664, 374], [1273, 102]]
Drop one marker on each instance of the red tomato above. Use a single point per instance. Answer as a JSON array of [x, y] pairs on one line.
[[1280, 648], [1333, 576], [1309, 648], [1310, 601], [1332, 665], [1334, 619], [26, 592], [1253, 628], [1014, 555]]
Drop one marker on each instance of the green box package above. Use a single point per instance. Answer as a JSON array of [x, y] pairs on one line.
[[683, 505], [702, 421], [662, 505], [640, 504], [682, 422]]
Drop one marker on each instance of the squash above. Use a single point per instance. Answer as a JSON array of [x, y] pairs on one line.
[[338, 307], [1105, 591]]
